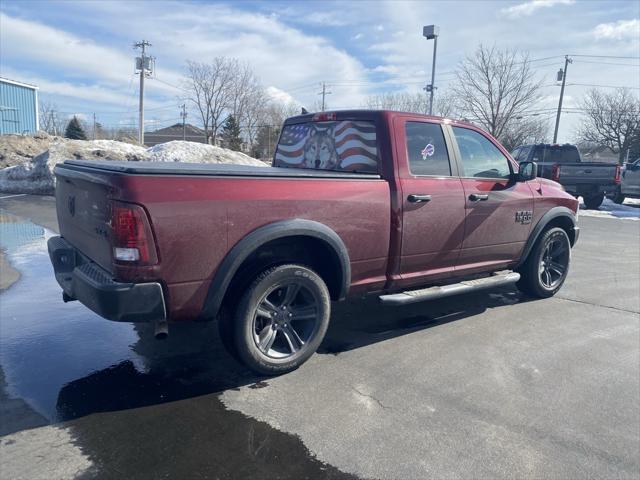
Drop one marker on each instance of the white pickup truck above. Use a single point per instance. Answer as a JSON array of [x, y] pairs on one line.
[[630, 184]]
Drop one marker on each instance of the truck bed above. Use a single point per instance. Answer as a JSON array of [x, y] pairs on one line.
[[207, 169]]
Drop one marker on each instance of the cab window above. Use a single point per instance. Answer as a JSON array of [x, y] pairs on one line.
[[480, 157], [426, 149]]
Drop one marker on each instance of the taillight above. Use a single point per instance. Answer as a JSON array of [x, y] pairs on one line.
[[132, 240], [555, 173], [618, 178]]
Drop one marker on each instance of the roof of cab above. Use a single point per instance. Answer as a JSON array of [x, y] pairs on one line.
[[371, 115]]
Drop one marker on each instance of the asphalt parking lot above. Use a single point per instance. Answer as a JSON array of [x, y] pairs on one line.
[[489, 385]]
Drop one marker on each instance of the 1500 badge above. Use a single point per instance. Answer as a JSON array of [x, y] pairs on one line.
[[524, 216]]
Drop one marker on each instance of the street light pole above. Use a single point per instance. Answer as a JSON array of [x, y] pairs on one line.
[[567, 61], [431, 33]]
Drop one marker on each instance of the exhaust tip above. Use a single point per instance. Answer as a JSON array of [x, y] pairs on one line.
[[161, 330]]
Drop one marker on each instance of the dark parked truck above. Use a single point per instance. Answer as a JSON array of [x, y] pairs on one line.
[[402, 206], [562, 164]]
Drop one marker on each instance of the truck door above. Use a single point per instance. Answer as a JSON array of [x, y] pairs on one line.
[[432, 202], [631, 179], [498, 209]]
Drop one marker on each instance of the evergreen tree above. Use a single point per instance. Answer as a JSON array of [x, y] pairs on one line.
[[231, 134], [74, 130], [265, 143]]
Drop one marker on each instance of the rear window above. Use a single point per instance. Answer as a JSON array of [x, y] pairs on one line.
[[346, 146], [560, 154]]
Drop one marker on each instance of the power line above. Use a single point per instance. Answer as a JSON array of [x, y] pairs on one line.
[[603, 86], [171, 85], [610, 63], [604, 56]]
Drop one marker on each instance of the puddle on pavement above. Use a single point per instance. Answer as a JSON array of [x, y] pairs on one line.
[[128, 398]]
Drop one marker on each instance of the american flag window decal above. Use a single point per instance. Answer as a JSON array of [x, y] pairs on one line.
[[347, 146]]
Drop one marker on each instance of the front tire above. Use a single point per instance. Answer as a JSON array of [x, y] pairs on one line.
[[281, 319], [593, 202], [547, 265]]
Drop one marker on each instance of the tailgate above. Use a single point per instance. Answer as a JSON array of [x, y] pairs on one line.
[[84, 213], [585, 173]]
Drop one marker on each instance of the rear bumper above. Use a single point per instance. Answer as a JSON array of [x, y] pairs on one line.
[[589, 189], [83, 280]]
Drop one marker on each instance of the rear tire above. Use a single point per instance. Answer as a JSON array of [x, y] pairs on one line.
[[593, 202], [547, 265], [281, 319], [618, 197]]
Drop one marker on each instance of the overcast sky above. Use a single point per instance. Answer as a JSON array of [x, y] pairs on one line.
[[80, 52]]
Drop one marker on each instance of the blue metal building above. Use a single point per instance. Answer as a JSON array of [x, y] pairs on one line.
[[18, 107]]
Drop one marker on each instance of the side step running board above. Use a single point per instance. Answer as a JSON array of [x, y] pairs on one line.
[[498, 279]]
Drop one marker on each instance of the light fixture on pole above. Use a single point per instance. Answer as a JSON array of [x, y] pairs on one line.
[[431, 32]]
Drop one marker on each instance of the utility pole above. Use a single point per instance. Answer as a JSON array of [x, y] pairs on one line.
[[324, 93], [269, 141], [143, 71], [54, 122], [562, 73], [183, 114]]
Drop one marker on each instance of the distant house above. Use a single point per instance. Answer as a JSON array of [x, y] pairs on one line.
[[18, 107], [174, 132], [597, 153]]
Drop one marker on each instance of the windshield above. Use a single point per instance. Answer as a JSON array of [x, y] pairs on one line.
[[346, 146], [565, 154]]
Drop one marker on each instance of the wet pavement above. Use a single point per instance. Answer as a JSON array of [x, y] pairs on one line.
[[488, 385], [67, 363]]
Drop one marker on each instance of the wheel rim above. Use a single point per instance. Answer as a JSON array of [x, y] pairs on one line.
[[553, 263], [285, 320]]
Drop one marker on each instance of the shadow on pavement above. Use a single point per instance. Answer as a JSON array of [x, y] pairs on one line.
[[143, 408]]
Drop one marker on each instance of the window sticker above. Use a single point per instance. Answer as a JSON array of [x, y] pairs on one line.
[[347, 145], [428, 151]]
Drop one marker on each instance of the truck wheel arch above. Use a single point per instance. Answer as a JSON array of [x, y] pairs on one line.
[[265, 234], [556, 217]]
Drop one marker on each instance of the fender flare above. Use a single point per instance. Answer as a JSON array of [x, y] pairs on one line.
[[555, 212], [255, 239]]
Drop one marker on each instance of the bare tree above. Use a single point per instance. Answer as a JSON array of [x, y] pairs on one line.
[[444, 103], [257, 103], [49, 118], [525, 130], [269, 127], [611, 119], [496, 87], [210, 90]]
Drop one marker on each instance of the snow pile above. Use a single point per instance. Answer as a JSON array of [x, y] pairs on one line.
[[190, 152], [30, 161], [17, 149], [629, 210]]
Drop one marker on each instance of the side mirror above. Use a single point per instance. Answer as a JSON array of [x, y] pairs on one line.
[[528, 171]]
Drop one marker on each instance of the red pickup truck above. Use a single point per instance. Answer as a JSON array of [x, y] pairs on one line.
[[403, 206]]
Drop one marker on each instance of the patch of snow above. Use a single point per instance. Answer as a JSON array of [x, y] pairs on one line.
[[191, 152], [629, 210], [35, 176]]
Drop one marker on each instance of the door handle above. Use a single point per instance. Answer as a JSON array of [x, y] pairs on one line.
[[478, 197], [413, 198]]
